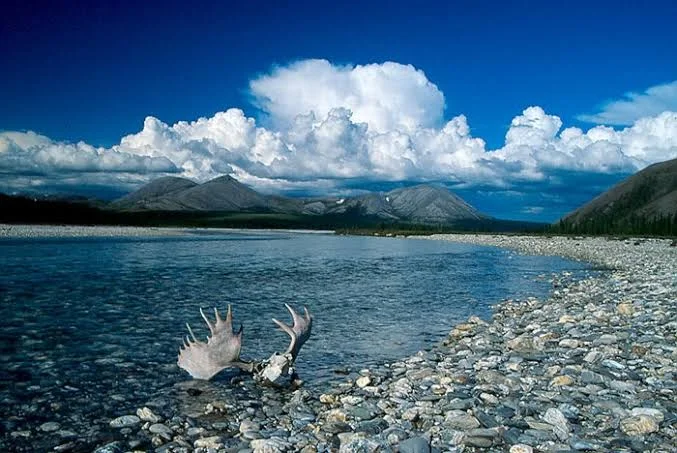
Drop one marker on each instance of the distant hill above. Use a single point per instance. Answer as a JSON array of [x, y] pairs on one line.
[[423, 204], [153, 195], [179, 194], [431, 203], [644, 203]]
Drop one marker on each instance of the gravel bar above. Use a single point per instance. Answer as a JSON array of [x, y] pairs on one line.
[[592, 368], [57, 231]]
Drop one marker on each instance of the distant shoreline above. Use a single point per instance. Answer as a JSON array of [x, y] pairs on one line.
[[11, 231]]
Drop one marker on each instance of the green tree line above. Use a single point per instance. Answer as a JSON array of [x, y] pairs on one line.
[[662, 225]]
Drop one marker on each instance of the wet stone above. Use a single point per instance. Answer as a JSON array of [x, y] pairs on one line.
[[68, 446], [486, 420], [113, 447], [373, 427], [462, 422], [651, 412], [559, 422], [147, 415], [414, 445], [607, 339], [590, 377], [481, 442], [336, 427], [162, 430], [460, 404], [50, 427], [209, 442], [125, 421], [365, 411], [584, 445], [272, 445]]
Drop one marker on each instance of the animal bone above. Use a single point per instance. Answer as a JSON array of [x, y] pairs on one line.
[[222, 350]]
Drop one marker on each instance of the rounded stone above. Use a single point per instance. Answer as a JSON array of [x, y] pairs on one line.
[[569, 343], [50, 427], [649, 411], [639, 425], [125, 421], [562, 381], [159, 428], [147, 415], [414, 445], [625, 309], [363, 381], [462, 422]]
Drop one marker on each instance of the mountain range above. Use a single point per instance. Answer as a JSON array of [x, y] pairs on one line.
[[644, 203], [425, 204]]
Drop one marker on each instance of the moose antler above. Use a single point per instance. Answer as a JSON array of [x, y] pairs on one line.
[[299, 331], [222, 350]]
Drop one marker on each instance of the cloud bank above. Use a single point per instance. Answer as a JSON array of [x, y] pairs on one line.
[[328, 127], [634, 106]]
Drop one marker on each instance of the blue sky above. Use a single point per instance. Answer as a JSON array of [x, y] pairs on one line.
[[84, 72]]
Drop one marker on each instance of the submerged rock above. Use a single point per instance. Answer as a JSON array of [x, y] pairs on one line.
[[125, 421]]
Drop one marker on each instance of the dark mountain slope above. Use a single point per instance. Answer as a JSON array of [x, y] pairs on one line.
[[648, 194], [644, 203], [220, 194], [152, 196]]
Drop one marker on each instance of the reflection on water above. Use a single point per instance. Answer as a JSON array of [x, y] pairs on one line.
[[105, 317]]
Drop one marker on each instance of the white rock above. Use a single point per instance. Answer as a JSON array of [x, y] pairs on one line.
[[363, 381], [125, 421], [569, 343], [272, 445], [209, 442], [521, 448], [559, 422], [147, 415]]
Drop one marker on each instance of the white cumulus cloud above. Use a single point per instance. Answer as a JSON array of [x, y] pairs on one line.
[[330, 127], [387, 96], [634, 106], [31, 153]]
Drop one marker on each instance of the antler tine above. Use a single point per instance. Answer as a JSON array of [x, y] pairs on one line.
[[191, 333], [294, 316], [229, 319], [209, 323], [289, 331]]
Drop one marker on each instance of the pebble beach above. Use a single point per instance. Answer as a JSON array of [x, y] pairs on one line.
[[591, 368], [60, 231]]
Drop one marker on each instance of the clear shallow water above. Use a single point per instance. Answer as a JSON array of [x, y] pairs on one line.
[[100, 321]]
